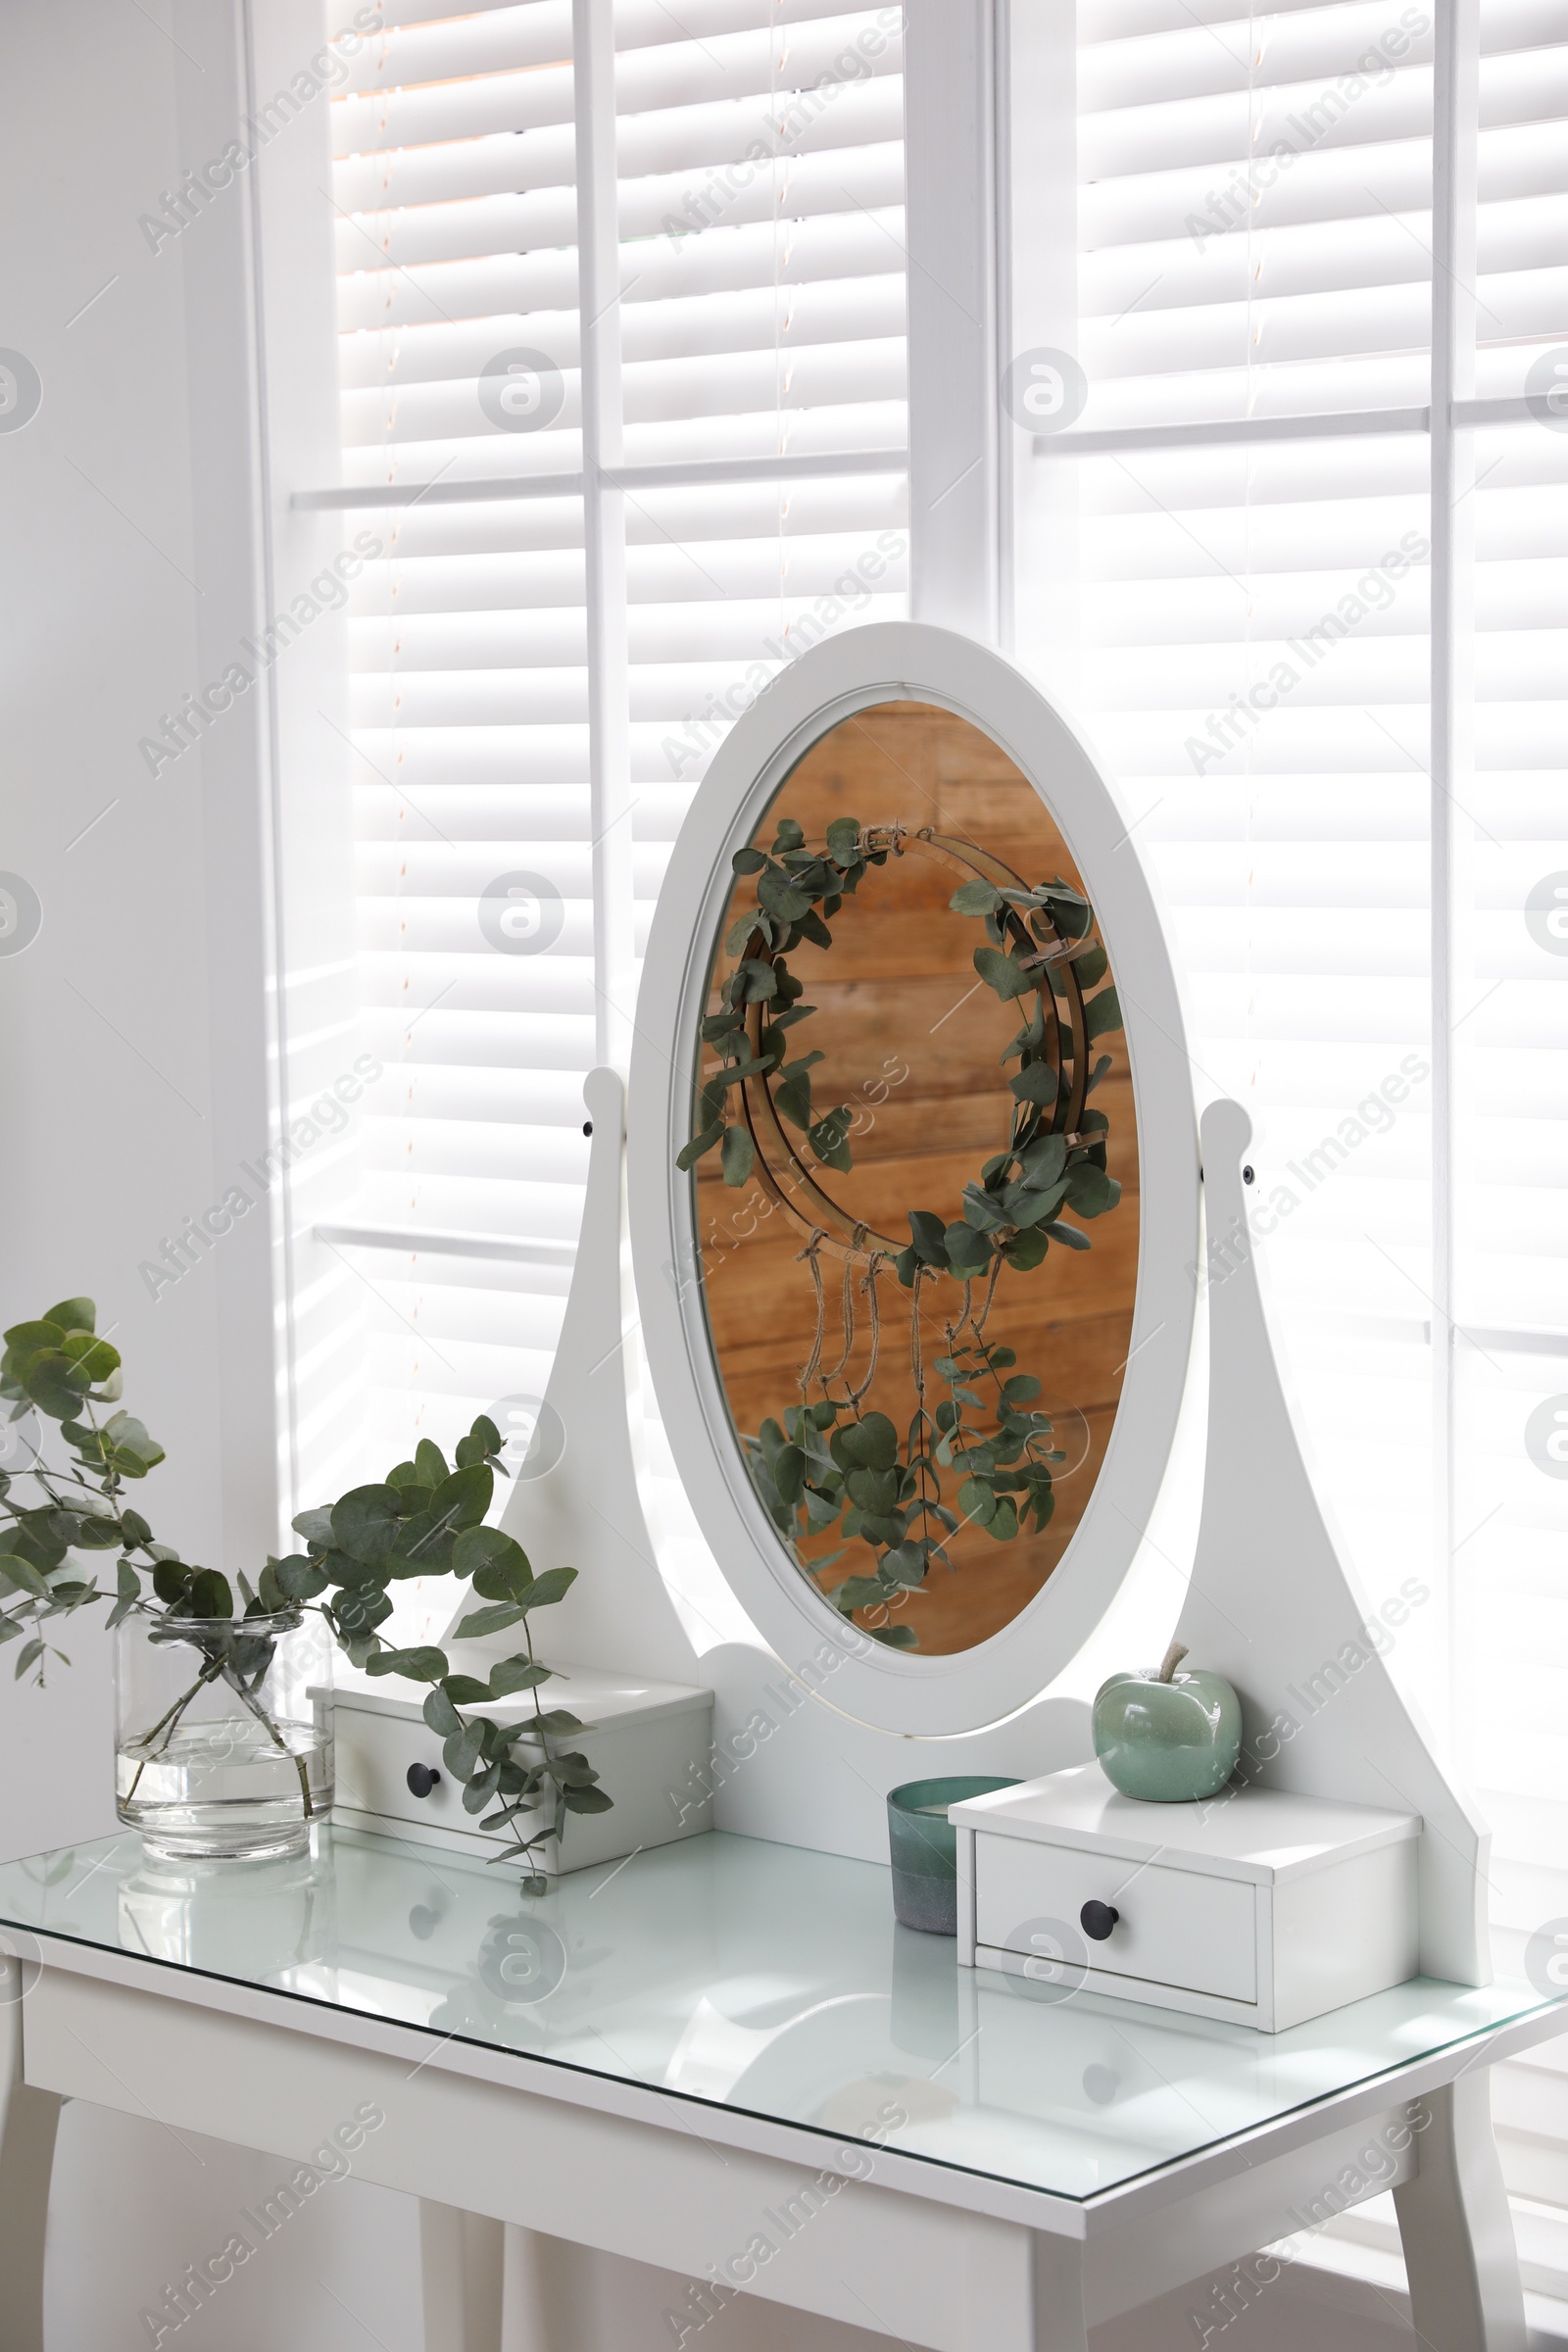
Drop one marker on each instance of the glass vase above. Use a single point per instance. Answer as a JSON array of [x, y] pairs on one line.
[[223, 1733]]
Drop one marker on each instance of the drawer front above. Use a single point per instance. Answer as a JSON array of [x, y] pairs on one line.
[[1175, 1927], [373, 1753]]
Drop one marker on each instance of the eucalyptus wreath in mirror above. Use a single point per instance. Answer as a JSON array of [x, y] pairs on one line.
[[975, 1451], [425, 1518]]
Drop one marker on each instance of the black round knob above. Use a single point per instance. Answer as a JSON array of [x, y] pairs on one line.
[[1249, 1175], [1097, 1919], [423, 1778], [587, 1126]]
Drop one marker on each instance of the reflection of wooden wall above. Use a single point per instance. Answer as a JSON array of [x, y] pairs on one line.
[[910, 1039]]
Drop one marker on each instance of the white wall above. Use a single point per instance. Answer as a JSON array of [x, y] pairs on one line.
[[134, 1029]]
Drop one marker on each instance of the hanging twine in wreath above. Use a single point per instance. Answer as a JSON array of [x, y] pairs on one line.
[[878, 1260], [991, 1291], [847, 1314], [954, 1329], [811, 1255]]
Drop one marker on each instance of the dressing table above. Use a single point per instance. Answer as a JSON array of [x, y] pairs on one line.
[[713, 2050], [724, 2059]]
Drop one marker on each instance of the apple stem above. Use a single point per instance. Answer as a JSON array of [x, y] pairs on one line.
[[1172, 1659]]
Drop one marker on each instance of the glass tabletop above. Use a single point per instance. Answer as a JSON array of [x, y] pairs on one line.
[[741, 1975]]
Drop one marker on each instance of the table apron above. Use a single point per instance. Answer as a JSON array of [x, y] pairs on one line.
[[819, 2241], [1287, 2197]]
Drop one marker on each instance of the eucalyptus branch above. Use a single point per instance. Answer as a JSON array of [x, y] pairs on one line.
[[424, 1517]]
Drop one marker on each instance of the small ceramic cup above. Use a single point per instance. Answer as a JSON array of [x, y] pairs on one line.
[[925, 1849]]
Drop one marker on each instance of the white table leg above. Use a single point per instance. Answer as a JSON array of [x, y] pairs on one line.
[[1057, 2284], [28, 2123], [461, 2257], [1458, 2236]]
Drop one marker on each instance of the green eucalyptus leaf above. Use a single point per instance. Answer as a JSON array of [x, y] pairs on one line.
[[896, 1636], [977, 1502], [906, 1563], [1101, 1014], [1004, 974], [463, 1750], [977, 898], [440, 1714], [24, 1340], [829, 1139], [860, 1592], [1034, 1082], [546, 1590], [95, 1358], [1090, 1191], [360, 1609], [783, 897], [584, 1801], [463, 1499], [870, 1444], [495, 1564], [425, 1664], [365, 1524], [56, 1385], [423, 1546], [72, 1315], [298, 1578], [430, 1463], [690, 1154], [516, 1674], [315, 1527], [738, 1155], [794, 1099], [481, 1623], [787, 1468], [207, 1594], [127, 1449], [969, 1252], [482, 1441], [983, 1211]]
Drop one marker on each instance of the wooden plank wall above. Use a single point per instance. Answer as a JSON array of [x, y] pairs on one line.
[[912, 1041]]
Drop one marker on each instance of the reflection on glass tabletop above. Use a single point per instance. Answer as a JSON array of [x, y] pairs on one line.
[[755, 1976]]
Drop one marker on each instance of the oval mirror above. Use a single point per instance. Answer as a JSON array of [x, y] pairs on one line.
[[916, 1162], [924, 1202]]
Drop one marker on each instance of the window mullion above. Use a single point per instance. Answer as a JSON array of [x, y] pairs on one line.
[[603, 526], [1454, 137]]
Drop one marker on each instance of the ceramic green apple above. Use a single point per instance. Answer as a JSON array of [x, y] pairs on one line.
[[1167, 1736]]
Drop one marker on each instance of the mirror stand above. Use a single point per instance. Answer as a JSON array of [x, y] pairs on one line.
[[1269, 1604]]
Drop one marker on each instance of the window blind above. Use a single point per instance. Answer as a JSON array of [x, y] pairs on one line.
[[751, 478], [1229, 557]]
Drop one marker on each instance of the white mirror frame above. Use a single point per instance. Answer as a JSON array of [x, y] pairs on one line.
[[910, 662]]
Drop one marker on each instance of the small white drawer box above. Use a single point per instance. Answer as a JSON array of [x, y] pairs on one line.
[[1257, 1905], [650, 1742]]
